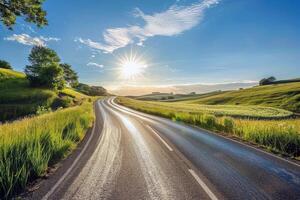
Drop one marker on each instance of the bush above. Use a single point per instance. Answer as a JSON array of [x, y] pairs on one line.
[[62, 102], [228, 124], [4, 64], [42, 110], [210, 122]]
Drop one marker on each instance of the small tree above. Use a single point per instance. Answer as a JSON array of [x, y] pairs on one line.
[[4, 64], [30, 9], [70, 75], [45, 69], [266, 81]]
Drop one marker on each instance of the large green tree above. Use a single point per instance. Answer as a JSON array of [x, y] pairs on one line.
[[4, 64], [45, 69], [70, 75], [31, 10]]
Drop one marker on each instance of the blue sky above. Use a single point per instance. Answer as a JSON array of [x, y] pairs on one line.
[[182, 42]]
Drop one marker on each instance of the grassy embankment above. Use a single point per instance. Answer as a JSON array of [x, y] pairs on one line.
[[18, 99], [281, 136], [27, 146]]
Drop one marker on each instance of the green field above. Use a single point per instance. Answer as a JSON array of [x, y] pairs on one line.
[[285, 96], [259, 112], [18, 99], [281, 136]]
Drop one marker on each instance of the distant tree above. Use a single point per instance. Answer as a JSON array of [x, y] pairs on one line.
[[91, 90], [30, 9], [45, 69], [266, 81], [70, 75], [4, 64]]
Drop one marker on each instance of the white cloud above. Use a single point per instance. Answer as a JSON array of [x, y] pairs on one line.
[[28, 40], [95, 64], [173, 21]]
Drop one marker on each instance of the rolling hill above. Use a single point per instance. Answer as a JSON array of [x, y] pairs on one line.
[[284, 96], [18, 99]]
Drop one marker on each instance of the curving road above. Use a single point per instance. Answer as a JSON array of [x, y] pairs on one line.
[[132, 155]]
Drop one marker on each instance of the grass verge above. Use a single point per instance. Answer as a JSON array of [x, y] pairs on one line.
[[30, 145], [281, 136]]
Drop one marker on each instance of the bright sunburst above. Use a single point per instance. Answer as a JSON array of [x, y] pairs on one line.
[[132, 66]]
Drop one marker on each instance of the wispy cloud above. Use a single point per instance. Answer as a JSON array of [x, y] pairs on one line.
[[173, 21], [95, 64], [29, 40]]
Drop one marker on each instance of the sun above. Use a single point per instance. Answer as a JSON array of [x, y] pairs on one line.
[[132, 67]]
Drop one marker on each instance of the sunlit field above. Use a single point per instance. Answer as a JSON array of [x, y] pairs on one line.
[[29, 146], [281, 136], [217, 110]]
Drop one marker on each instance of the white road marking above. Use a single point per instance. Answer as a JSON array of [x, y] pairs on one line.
[[203, 185], [144, 115], [164, 142]]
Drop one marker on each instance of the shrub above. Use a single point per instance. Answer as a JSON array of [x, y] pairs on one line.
[[210, 122], [42, 110], [228, 124], [62, 102], [4, 64]]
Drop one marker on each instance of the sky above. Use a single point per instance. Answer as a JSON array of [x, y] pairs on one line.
[[174, 42]]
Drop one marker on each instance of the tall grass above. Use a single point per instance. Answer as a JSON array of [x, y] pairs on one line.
[[281, 136], [29, 146]]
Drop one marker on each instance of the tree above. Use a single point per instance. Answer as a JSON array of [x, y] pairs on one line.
[[91, 90], [30, 9], [266, 81], [4, 64], [45, 69], [70, 75]]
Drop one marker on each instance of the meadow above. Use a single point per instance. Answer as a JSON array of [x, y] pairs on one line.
[[280, 136], [28, 147], [285, 96], [282, 94], [258, 112]]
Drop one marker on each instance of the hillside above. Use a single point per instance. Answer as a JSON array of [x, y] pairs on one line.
[[284, 96], [18, 99]]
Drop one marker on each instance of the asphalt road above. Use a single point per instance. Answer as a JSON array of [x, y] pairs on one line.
[[132, 155]]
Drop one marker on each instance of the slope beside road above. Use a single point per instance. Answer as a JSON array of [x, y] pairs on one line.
[[132, 155]]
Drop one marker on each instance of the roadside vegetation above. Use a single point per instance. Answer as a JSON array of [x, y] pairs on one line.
[[28, 147], [46, 94], [280, 136]]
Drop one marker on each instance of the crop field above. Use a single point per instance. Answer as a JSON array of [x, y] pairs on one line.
[[28, 147], [281, 136]]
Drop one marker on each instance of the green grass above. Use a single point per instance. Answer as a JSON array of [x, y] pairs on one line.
[[18, 99], [9, 74], [28, 147], [284, 96], [259, 112], [281, 136]]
